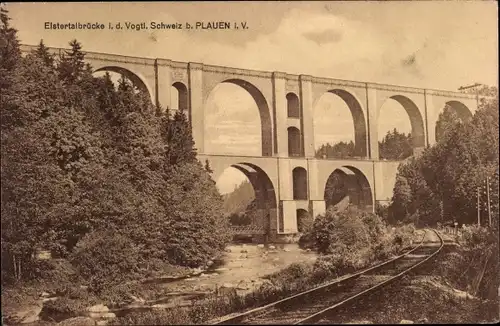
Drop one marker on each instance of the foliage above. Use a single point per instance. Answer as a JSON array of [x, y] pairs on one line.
[[105, 259], [441, 185], [238, 200], [339, 150], [396, 146], [92, 171], [336, 188]]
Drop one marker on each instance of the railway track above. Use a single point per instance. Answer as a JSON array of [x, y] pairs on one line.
[[310, 306]]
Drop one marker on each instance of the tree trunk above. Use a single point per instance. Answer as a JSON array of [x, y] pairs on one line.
[[477, 281], [19, 266], [15, 266]]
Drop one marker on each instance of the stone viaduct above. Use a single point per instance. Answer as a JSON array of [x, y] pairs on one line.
[[288, 180]]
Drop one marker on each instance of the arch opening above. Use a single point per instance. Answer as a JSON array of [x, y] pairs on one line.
[[230, 116], [348, 186], [453, 112], [400, 136], [340, 129], [138, 83], [293, 107], [249, 199], [304, 220], [294, 142], [299, 180], [178, 97]]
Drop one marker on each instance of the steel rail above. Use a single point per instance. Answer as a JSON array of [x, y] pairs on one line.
[[338, 281], [319, 314]]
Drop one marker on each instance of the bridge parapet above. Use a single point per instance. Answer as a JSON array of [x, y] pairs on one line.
[[253, 73], [338, 82], [237, 71]]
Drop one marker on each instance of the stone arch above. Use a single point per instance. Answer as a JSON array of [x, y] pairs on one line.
[[349, 185], [264, 113], [182, 97], [293, 107], [463, 112], [299, 181], [136, 80], [358, 117], [294, 142], [416, 120], [265, 194], [304, 220]]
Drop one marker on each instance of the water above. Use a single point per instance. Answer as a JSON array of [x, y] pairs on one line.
[[242, 270], [244, 266]]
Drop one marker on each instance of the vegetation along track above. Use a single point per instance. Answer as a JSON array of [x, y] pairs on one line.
[[310, 306]]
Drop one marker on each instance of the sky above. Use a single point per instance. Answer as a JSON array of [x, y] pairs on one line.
[[438, 44]]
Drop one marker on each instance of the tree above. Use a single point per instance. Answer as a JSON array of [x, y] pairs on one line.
[[446, 120], [338, 150], [441, 185], [336, 189], [401, 198], [81, 157], [42, 52], [396, 146], [72, 64], [10, 53], [180, 139]]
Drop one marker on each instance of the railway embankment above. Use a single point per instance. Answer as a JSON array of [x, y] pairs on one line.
[[455, 287]]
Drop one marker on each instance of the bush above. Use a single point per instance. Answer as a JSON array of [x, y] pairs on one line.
[[105, 259], [164, 317], [337, 230]]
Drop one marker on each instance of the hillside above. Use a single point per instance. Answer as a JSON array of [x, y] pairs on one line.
[[238, 200]]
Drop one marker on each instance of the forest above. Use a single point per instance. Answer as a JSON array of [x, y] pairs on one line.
[[94, 173]]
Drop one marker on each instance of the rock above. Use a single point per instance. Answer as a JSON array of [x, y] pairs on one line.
[[98, 308], [227, 285], [78, 321], [286, 250], [405, 321], [243, 256], [29, 315], [50, 299], [136, 299], [31, 318], [108, 315], [272, 247], [260, 246], [242, 287], [204, 275], [190, 279], [244, 251], [308, 250], [45, 295], [228, 250], [221, 269], [423, 320], [210, 263]]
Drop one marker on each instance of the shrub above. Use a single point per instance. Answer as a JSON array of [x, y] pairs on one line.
[[163, 317], [105, 259]]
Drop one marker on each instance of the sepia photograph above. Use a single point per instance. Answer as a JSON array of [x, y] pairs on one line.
[[249, 163]]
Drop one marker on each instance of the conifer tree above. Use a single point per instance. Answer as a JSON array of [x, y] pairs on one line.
[[43, 53], [180, 140], [71, 65]]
